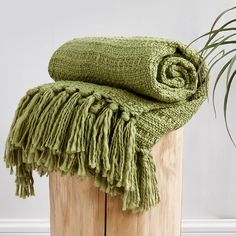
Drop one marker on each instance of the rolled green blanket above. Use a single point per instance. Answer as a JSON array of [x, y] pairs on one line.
[[112, 101], [162, 69]]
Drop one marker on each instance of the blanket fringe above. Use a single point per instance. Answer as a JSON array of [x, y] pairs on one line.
[[77, 133]]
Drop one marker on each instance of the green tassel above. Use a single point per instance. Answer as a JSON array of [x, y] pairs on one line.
[[63, 129], [58, 133], [129, 141], [149, 195], [76, 142], [47, 119], [95, 143], [131, 198], [24, 181], [82, 164], [119, 152], [84, 113], [22, 122], [20, 109], [146, 193], [103, 138], [32, 119]]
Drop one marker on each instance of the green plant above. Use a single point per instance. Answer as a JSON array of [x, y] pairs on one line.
[[220, 45]]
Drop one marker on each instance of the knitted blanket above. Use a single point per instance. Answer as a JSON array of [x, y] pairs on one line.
[[112, 100]]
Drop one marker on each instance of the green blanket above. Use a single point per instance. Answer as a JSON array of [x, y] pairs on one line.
[[112, 101]]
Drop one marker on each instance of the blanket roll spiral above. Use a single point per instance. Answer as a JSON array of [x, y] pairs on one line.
[[112, 100]]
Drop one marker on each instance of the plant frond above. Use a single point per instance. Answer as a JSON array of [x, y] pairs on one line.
[[216, 83], [214, 31], [226, 104], [216, 21], [217, 40], [230, 69]]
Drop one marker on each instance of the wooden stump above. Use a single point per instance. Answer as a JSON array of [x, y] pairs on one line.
[[80, 209]]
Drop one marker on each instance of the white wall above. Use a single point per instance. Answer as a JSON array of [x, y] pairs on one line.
[[31, 30]]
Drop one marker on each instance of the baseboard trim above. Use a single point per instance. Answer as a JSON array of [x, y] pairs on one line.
[[24, 227], [208, 227], [190, 227]]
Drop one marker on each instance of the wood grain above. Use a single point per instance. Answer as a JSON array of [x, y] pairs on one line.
[[165, 219], [78, 208]]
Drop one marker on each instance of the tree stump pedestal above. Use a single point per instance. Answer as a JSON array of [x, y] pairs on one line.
[[78, 208]]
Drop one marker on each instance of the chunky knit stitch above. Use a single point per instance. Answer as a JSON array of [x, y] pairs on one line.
[[112, 101]]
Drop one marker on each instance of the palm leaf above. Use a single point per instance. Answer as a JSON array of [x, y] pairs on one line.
[[216, 21], [215, 41], [226, 104], [216, 83]]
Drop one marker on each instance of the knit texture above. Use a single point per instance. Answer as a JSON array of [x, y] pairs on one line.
[[112, 100]]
